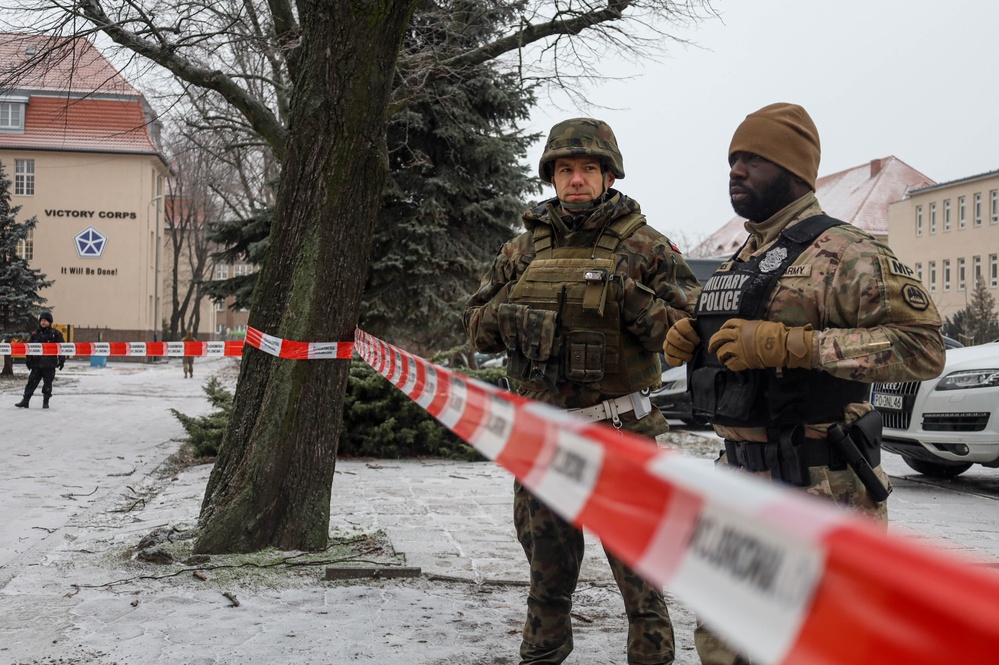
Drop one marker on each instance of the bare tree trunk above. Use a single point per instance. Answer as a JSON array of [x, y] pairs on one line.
[[282, 439]]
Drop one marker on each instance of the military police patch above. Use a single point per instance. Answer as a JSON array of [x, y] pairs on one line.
[[915, 297]]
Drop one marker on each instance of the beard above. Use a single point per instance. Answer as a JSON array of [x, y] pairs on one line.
[[761, 205]]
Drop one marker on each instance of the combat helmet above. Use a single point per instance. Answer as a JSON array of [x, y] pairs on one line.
[[581, 136]]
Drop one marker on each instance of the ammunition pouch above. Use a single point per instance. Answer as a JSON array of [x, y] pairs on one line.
[[529, 336], [787, 455]]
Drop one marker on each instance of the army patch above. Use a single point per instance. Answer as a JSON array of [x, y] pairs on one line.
[[725, 267], [915, 297], [798, 271]]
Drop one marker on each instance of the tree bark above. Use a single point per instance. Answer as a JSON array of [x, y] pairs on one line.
[[282, 439]]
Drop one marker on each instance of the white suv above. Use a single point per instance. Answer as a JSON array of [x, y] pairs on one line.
[[942, 426]]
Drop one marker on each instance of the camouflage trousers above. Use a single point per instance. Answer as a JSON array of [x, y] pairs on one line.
[[554, 549], [843, 487]]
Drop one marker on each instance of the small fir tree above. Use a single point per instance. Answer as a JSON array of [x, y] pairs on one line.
[[19, 283], [980, 324]]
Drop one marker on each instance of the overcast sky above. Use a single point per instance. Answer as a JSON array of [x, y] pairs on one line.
[[910, 78]]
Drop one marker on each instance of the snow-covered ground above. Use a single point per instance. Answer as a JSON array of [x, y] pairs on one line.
[[83, 482]]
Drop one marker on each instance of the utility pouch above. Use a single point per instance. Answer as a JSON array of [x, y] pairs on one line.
[[725, 397], [537, 333], [584, 355], [595, 290], [866, 433], [506, 317], [785, 458]]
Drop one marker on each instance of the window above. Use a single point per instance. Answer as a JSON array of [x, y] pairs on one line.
[[24, 177], [947, 215], [946, 274], [241, 269], [933, 217], [933, 275], [976, 269], [12, 117], [960, 274], [919, 220], [919, 271], [222, 271], [993, 270], [960, 213], [26, 247], [994, 206], [978, 209]]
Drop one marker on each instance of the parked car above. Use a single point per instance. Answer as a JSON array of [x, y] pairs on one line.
[[941, 427]]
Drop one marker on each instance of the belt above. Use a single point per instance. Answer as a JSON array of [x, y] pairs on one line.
[[752, 455], [609, 409]]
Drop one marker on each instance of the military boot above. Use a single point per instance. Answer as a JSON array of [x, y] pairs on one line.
[[45, 402], [23, 403]]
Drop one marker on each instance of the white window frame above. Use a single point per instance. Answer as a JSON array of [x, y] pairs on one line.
[[26, 247], [978, 208], [994, 205], [12, 115], [933, 217], [961, 274], [919, 220], [961, 216], [933, 275], [24, 177], [222, 271], [919, 271], [993, 270], [976, 269], [946, 274], [946, 214]]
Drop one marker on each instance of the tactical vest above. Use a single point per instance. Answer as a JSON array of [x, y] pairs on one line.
[[563, 320], [756, 398]]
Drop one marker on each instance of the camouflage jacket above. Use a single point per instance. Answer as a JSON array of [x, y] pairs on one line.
[[873, 319], [647, 257]]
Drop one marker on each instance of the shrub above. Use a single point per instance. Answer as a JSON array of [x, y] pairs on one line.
[[204, 433], [378, 420]]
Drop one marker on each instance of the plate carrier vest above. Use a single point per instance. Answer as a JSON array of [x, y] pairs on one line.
[[766, 397], [563, 320]]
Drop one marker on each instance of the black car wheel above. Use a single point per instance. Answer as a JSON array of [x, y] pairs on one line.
[[939, 469]]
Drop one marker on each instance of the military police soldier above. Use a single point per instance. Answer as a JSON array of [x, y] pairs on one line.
[[581, 303], [804, 317]]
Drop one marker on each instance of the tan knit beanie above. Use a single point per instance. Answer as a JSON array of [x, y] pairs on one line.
[[785, 135]]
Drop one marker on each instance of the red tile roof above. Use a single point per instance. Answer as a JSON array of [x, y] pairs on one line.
[[92, 125], [42, 63], [859, 195]]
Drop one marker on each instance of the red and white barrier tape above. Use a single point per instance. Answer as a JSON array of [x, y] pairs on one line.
[[785, 577], [267, 343]]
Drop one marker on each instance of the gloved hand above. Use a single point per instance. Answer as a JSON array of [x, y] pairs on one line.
[[62, 363], [743, 345], [681, 342]]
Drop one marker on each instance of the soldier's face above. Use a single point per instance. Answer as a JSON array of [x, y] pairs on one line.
[[758, 188], [580, 179], [44, 323]]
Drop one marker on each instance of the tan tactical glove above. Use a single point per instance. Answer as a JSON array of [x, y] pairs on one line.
[[743, 345], [681, 342]]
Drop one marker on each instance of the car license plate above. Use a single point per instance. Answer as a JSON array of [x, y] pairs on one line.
[[892, 402]]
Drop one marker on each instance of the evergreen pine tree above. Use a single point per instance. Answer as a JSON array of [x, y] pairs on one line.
[[455, 191], [19, 283], [980, 323]]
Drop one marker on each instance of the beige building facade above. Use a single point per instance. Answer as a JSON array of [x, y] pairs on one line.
[[81, 148], [949, 234]]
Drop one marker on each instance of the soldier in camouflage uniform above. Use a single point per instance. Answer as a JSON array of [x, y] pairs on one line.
[[804, 317], [581, 303]]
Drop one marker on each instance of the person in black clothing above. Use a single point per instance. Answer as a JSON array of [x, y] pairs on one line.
[[42, 368]]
